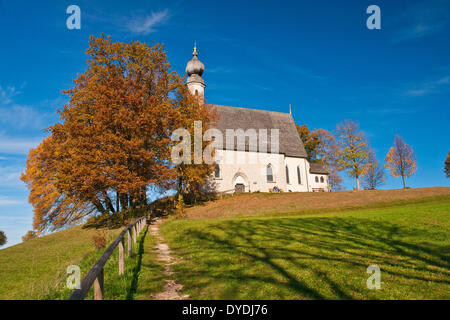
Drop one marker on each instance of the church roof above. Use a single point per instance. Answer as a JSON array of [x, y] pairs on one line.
[[317, 168], [243, 118]]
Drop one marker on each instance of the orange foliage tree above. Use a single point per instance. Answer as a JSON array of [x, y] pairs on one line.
[[310, 141], [114, 138], [401, 160]]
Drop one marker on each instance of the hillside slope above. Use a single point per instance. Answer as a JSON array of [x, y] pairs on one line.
[[31, 270], [251, 204], [318, 256]]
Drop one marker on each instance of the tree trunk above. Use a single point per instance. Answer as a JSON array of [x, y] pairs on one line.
[[357, 183], [108, 202], [124, 201], [117, 201], [144, 197], [98, 205], [403, 179], [132, 201]]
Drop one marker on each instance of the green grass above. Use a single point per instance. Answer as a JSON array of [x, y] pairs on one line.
[[322, 256], [115, 287], [151, 273], [36, 268]]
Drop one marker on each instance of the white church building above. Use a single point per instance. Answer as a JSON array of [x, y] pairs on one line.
[[284, 167]]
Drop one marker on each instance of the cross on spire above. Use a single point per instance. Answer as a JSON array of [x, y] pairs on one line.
[[195, 48]]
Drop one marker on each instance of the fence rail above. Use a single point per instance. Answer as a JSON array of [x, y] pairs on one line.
[[95, 275]]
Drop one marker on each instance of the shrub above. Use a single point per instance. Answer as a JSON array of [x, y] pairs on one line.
[[29, 235], [99, 240], [179, 205], [3, 238]]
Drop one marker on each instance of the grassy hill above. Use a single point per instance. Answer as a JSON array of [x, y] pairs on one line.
[[270, 204], [271, 246], [315, 245], [317, 256], [36, 268]]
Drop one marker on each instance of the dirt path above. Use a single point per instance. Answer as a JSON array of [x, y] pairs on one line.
[[171, 289]]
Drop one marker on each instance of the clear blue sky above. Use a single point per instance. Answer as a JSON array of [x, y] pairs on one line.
[[318, 56]]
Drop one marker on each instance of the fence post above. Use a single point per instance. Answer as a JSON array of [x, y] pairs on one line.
[[98, 286], [121, 257], [134, 234], [130, 246]]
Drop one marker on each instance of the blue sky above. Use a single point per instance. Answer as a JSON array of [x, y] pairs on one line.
[[318, 56]]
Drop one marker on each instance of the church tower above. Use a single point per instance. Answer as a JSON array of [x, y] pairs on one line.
[[195, 82]]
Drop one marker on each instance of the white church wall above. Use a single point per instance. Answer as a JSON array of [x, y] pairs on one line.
[[312, 184], [293, 184], [319, 184], [251, 167]]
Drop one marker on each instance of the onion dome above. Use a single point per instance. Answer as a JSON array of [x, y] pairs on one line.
[[195, 66]]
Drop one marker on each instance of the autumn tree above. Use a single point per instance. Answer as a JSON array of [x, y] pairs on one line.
[[335, 180], [114, 138], [3, 238], [310, 141], [327, 151], [401, 160], [374, 174], [447, 166], [353, 149], [193, 177]]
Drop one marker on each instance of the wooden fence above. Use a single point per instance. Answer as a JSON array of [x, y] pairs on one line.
[[95, 275]]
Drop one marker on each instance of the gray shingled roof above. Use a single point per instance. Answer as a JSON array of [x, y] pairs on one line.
[[317, 169], [243, 118]]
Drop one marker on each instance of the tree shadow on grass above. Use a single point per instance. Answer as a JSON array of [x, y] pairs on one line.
[[289, 248], [134, 280]]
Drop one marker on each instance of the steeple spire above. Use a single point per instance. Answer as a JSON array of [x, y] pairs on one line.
[[195, 49], [290, 109], [194, 69]]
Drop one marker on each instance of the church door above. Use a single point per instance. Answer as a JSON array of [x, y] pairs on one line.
[[239, 188]]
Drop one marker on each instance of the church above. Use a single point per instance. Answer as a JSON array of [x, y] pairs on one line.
[[276, 164]]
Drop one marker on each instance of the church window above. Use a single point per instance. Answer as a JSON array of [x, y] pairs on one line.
[[287, 175], [321, 179], [217, 171], [269, 173], [317, 179], [299, 177], [196, 92]]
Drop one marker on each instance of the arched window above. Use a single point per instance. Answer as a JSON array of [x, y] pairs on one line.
[[217, 171], [287, 175], [196, 92], [269, 173], [299, 177], [321, 179], [317, 179]]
